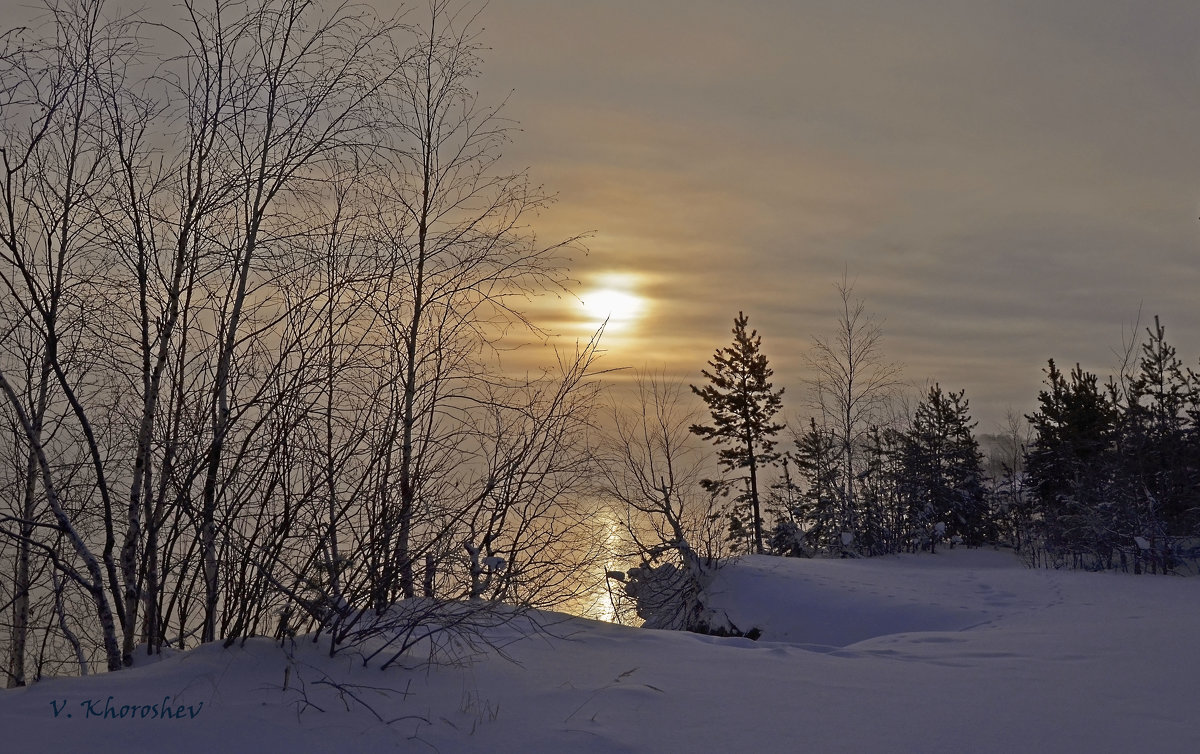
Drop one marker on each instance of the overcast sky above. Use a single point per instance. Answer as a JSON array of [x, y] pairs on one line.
[[1006, 181]]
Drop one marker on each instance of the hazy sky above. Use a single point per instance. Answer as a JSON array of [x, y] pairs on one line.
[[1006, 181]]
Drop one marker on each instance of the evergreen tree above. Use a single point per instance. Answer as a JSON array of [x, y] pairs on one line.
[[817, 470], [941, 472], [1116, 472], [882, 513], [1070, 467], [787, 537], [743, 404], [1157, 450]]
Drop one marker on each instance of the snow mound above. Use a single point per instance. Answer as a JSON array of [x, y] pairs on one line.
[[836, 603]]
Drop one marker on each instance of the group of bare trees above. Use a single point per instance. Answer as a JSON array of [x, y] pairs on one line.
[[258, 264]]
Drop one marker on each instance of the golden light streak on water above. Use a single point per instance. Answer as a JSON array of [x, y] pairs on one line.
[[607, 601]]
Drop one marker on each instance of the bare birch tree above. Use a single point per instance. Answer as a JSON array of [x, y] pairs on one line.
[[454, 235], [653, 470], [851, 387], [253, 299]]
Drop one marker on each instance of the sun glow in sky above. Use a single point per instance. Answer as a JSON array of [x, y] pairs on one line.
[[613, 298], [1004, 182]]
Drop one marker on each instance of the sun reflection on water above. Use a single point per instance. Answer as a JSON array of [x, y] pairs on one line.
[[607, 601]]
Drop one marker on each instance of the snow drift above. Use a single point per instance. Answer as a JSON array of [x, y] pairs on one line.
[[962, 651]]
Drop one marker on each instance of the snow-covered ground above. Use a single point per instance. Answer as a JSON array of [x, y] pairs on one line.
[[956, 652]]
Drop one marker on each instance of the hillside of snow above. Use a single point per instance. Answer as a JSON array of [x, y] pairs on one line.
[[959, 651]]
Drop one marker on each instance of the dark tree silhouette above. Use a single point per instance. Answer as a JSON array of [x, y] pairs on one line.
[[739, 394], [941, 473], [1070, 465]]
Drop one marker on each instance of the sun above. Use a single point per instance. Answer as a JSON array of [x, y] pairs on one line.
[[612, 300], [611, 304]]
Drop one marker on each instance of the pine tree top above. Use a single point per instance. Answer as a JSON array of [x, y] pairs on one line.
[[741, 399]]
